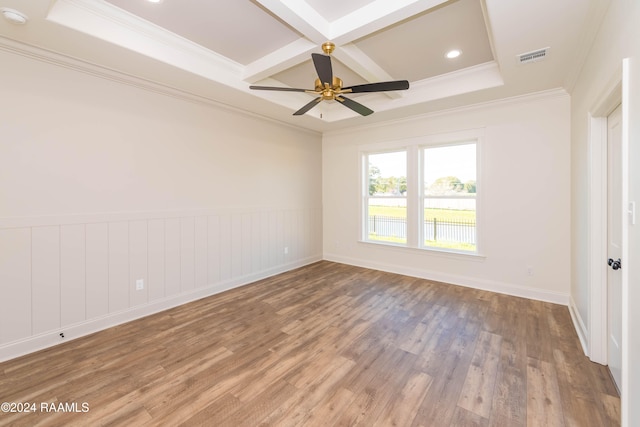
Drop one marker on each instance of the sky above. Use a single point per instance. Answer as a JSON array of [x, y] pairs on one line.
[[450, 160]]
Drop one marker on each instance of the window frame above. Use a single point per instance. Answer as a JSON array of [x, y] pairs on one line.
[[364, 205], [424, 197], [415, 199]]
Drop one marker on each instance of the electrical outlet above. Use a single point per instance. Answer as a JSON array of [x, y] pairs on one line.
[[286, 250], [139, 284]]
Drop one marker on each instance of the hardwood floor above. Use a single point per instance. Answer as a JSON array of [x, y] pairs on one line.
[[323, 345]]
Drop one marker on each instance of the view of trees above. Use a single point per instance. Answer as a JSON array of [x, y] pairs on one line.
[[386, 185], [449, 185], [446, 185]]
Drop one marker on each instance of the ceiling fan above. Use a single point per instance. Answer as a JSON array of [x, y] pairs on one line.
[[329, 88]]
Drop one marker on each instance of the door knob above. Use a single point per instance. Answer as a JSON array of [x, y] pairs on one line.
[[616, 265]]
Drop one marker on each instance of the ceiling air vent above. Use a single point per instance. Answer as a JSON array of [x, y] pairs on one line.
[[535, 56]]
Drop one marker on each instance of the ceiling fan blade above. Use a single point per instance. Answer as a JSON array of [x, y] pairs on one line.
[[355, 106], [323, 67], [284, 89], [379, 87], [308, 107]]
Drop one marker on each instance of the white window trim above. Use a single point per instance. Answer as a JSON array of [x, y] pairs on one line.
[[413, 147]]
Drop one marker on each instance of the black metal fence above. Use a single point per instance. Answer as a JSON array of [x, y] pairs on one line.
[[459, 231], [388, 226]]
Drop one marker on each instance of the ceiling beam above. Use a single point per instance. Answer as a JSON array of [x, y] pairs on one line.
[[286, 57], [376, 16], [302, 17]]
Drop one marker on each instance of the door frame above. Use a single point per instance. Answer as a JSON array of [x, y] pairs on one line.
[[616, 92], [609, 99]]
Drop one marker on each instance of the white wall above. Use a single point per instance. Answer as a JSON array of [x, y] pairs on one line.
[[602, 68], [104, 182], [525, 194], [617, 39], [631, 297]]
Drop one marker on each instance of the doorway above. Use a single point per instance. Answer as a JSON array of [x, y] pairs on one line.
[[614, 245]]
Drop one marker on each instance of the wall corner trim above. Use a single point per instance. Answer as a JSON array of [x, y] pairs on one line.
[[579, 325]]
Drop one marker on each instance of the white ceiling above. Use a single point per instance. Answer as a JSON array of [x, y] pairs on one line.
[[215, 49]]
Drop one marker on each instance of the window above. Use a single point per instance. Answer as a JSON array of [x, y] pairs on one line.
[[449, 203], [422, 195], [386, 197]]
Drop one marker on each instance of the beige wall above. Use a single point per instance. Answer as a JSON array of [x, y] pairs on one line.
[[617, 39], [631, 411], [103, 183], [524, 189], [603, 66]]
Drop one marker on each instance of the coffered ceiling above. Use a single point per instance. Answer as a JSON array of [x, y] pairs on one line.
[[214, 50]]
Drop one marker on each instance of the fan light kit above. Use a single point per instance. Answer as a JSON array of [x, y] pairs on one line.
[[14, 16], [329, 88]]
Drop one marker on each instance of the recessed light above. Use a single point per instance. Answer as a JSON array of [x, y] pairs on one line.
[[454, 53], [154, 1], [14, 16]]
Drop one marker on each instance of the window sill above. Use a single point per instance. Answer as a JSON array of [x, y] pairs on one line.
[[467, 256]]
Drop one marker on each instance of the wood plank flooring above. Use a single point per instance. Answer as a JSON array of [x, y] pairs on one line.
[[324, 345]]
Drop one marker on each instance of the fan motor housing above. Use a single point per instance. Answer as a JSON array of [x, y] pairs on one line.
[[329, 93]]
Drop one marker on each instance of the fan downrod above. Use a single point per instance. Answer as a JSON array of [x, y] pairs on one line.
[[328, 47]]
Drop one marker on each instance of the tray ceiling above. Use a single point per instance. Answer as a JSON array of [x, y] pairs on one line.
[[216, 49]]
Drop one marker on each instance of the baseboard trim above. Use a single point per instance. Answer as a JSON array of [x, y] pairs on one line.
[[469, 282], [579, 325], [51, 338]]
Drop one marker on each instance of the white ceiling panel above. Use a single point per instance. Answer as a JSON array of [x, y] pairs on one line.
[[332, 10], [240, 30], [415, 48]]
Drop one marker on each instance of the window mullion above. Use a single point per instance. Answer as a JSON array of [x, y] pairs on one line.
[[364, 207], [413, 197]]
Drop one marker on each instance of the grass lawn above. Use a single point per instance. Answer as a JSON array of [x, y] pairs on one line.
[[441, 214]]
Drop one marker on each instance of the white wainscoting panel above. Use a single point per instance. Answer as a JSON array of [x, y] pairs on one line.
[[187, 254], [200, 251], [213, 247], [138, 268], [172, 256], [73, 294], [156, 258], [97, 266], [118, 266], [60, 276], [45, 278], [15, 284]]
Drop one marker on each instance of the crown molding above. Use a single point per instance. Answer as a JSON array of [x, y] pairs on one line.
[[64, 61], [514, 100]]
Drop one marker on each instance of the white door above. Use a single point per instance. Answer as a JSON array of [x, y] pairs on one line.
[[614, 229]]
